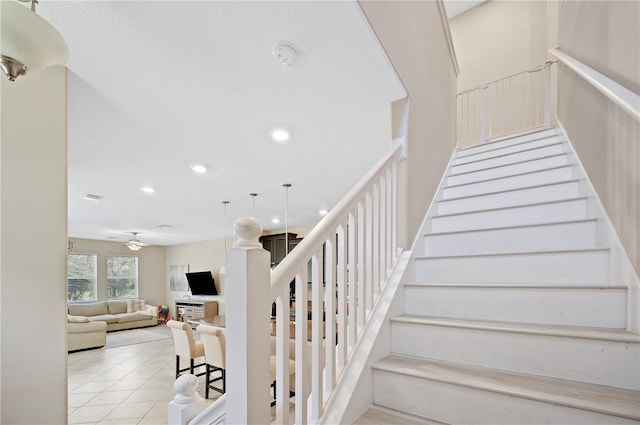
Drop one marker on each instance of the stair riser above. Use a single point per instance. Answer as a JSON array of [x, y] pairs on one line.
[[561, 268], [583, 360], [555, 175], [508, 170], [580, 235], [533, 195], [455, 404], [507, 142], [508, 159], [604, 308], [507, 150], [518, 216]]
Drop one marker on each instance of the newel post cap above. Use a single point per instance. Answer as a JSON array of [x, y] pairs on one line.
[[248, 231], [185, 388]]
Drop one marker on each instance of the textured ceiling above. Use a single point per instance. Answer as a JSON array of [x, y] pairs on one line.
[[155, 86]]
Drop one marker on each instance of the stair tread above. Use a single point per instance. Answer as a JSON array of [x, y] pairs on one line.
[[503, 139], [596, 398], [603, 334], [535, 186], [551, 143], [514, 253], [558, 201], [378, 415], [519, 226], [541, 170], [505, 165], [514, 285]]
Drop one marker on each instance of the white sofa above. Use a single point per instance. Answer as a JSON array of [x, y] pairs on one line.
[[84, 333], [117, 314]]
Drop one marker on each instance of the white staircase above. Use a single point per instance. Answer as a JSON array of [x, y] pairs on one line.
[[511, 317]]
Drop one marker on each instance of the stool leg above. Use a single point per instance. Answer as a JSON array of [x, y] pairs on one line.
[[177, 366], [206, 382], [191, 366]]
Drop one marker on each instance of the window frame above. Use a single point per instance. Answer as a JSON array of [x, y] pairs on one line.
[[136, 276], [94, 277]]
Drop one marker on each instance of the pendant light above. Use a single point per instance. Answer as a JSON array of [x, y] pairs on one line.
[[253, 204], [286, 218], [29, 43], [223, 269]]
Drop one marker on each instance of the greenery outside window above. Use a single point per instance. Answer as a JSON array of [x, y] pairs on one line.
[[122, 277], [82, 277]]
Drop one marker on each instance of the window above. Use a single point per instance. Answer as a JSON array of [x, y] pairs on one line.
[[81, 277], [122, 277]]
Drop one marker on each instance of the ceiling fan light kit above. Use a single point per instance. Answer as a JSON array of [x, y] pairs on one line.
[[134, 244], [28, 42]]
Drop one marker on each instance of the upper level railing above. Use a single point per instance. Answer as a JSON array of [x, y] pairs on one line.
[[512, 104]]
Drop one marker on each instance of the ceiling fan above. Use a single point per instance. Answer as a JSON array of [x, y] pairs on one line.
[[134, 244]]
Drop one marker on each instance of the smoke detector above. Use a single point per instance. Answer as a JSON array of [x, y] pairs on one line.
[[284, 54]]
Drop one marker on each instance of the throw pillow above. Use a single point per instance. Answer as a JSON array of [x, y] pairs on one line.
[[140, 305], [78, 319], [134, 305], [117, 306]]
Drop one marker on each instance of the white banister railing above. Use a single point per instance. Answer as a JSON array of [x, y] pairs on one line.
[[627, 100], [339, 269], [509, 105], [350, 252]]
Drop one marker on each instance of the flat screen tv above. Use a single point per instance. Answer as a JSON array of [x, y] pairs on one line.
[[201, 283]]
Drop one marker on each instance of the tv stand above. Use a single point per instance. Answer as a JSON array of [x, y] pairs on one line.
[[191, 311]]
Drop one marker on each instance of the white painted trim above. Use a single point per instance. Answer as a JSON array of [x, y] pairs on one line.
[[447, 32], [215, 414], [619, 255], [621, 96]]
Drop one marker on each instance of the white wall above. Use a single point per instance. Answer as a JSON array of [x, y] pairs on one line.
[[33, 251], [499, 38], [151, 267], [605, 35], [413, 36]]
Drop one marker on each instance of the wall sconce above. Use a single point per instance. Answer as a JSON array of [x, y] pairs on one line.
[[28, 42]]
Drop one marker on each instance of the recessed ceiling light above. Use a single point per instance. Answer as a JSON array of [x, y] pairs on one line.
[[90, 197], [275, 220], [199, 168], [164, 226], [147, 189], [280, 135], [323, 212]]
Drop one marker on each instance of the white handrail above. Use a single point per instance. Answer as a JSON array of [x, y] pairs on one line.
[[484, 85], [621, 96], [351, 252], [287, 269]]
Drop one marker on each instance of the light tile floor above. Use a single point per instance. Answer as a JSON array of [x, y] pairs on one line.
[[123, 385]]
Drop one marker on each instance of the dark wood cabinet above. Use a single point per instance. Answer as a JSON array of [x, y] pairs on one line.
[[275, 244]]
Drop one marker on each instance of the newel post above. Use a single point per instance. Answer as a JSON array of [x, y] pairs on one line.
[[187, 403], [247, 327]]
